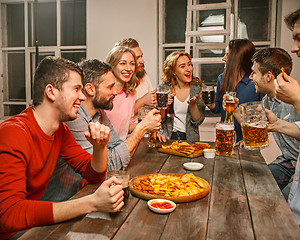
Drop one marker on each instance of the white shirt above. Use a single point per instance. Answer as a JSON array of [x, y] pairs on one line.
[[180, 110], [144, 87]]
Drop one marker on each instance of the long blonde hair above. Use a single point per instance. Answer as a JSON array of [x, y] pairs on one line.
[[169, 64], [113, 59]]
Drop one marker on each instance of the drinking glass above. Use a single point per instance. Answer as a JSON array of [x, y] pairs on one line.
[[225, 139], [229, 99], [123, 176], [254, 125], [162, 97], [208, 95]]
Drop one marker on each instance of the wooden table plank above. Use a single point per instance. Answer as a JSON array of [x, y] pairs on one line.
[[225, 213], [229, 216], [271, 215], [189, 220]]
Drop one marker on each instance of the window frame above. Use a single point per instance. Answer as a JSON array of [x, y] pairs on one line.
[[57, 50], [162, 47]]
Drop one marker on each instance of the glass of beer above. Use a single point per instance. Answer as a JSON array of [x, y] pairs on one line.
[[123, 176], [152, 140], [254, 125], [208, 95], [229, 99], [225, 139], [162, 97]]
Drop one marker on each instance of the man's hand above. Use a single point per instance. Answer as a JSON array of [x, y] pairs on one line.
[[152, 121], [109, 196], [287, 89], [273, 121], [149, 99], [98, 134]]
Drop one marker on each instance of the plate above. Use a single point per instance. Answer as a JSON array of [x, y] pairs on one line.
[[174, 152], [159, 210], [193, 166], [176, 199]]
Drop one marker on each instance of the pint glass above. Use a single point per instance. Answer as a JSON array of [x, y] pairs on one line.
[[123, 176], [254, 125], [229, 99], [225, 139]]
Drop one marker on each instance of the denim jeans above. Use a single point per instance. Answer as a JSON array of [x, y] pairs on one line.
[[178, 135]]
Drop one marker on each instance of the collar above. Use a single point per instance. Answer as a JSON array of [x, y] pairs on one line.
[[246, 80]]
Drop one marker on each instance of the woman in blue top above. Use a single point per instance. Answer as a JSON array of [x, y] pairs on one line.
[[236, 78]]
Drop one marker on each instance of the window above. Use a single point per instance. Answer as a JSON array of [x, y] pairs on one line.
[[32, 30], [172, 22]]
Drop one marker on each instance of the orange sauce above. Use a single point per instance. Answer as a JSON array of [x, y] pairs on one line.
[[162, 205]]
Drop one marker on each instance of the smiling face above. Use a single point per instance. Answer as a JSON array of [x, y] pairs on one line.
[[183, 69], [125, 68], [296, 38], [68, 99], [105, 92], [259, 80]]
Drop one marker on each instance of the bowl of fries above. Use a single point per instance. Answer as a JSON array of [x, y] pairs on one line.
[[171, 186]]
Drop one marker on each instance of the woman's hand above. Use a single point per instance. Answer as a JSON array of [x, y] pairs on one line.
[[161, 137], [193, 100]]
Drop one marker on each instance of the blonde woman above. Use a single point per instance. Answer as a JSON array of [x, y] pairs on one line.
[[188, 107], [123, 62]]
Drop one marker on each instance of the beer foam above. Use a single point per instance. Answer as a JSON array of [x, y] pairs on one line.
[[257, 124], [225, 127]]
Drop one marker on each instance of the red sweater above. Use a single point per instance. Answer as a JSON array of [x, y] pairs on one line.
[[27, 160]]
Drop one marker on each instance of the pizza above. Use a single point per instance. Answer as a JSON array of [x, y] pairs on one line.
[[172, 186]]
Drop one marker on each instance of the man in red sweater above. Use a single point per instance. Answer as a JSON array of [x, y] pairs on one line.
[[30, 144]]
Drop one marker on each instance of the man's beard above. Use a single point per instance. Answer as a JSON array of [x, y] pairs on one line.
[[105, 105], [140, 74]]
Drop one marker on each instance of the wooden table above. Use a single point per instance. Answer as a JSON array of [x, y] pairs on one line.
[[244, 203]]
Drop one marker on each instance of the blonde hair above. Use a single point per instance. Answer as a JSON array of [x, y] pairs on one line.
[[169, 65], [113, 58]]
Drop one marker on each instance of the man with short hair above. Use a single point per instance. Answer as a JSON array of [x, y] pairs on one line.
[[288, 90], [30, 143], [266, 66], [98, 82], [145, 95]]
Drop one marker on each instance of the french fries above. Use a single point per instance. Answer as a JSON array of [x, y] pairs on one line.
[[187, 148], [168, 185]]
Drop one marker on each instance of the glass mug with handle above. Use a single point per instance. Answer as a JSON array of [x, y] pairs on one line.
[[225, 139], [254, 125], [208, 95], [162, 97]]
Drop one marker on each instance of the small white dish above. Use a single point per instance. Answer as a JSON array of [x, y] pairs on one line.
[[209, 153], [194, 166], [161, 210]]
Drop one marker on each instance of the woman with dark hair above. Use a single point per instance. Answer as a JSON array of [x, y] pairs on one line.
[[236, 78]]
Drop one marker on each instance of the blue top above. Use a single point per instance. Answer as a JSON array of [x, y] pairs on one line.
[[245, 92]]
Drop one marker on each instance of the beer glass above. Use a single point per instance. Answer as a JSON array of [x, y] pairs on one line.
[[123, 176], [229, 99], [162, 97], [225, 139], [152, 140], [208, 95], [254, 125]]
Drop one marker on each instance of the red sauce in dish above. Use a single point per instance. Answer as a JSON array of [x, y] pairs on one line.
[[161, 205]]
